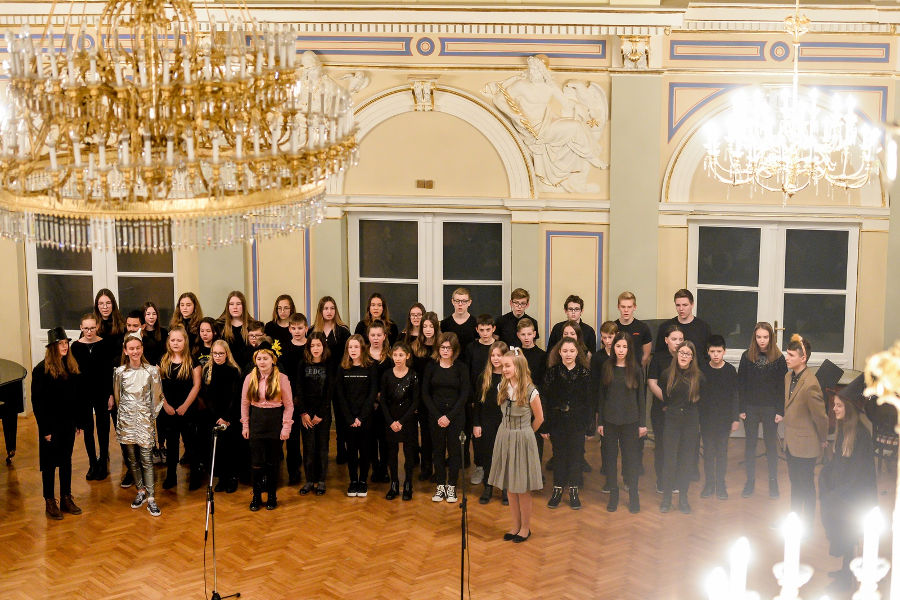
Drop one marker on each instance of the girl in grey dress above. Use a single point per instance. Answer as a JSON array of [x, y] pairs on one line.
[[515, 466]]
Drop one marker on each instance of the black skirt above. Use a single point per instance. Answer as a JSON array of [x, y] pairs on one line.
[[265, 423]]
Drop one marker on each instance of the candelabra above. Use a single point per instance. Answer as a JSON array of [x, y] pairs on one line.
[[178, 136]]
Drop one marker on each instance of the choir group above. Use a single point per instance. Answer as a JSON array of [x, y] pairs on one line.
[[450, 392]]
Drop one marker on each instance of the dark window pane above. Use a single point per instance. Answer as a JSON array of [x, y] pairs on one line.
[[730, 314], [64, 298], [399, 296], [818, 317], [134, 291], [144, 262], [816, 259], [473, 251], [51, 258], [485, 299], [389, 249], [728, 256]]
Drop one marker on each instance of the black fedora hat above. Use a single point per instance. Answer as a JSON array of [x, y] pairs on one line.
[[56, 335]]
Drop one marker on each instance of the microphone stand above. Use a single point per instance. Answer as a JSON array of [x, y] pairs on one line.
[[211, 517], [464, 519]]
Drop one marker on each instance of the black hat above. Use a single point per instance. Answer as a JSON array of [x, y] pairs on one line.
[[56, 335], [853, 393]]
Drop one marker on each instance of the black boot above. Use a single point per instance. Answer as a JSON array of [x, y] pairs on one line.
[[272, 488], [574, 501], [613, 503], [666, 504], [773, 487], [556, 497], [256, 501], [486, 494], [748, 488], [394, 491], [634, 501], [708, 490], [426, 472], [683, 505], [407, 490], [91, 474]]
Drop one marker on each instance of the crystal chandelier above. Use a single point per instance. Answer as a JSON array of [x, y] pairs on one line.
[[146, 133], [782, 142]]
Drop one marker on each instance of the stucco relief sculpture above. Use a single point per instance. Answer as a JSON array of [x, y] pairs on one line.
[[561, 126]]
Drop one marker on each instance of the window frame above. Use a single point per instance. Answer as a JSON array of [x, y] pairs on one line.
[[103, 273], [770, 287], [430, 278]]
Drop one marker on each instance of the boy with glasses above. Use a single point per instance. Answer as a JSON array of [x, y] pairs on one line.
[[460, 321], [519, 300], [574, 306]]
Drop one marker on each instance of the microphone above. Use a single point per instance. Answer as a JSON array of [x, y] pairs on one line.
[[462, 437], [219, 427]]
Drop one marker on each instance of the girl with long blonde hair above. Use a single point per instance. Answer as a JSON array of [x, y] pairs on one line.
[[520, 404], [221, 393], [180, 386], [267, 410]]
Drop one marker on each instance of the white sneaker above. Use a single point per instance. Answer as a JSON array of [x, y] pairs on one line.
[[139, 499], [477, 475], [451, 493], [152, 508], [439, 494]]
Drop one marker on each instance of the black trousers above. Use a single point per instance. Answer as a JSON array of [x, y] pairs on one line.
[[446, 458], [567, 436], [393, 456], [265, 457], [624, 438], [470, 451], [679, 447], [178, 428], [10, 428], [359, 442], [803, 486], [378, 446], [658, 422], [485, 447], [294, 456], [102, 414], [755, 416], [227, 452], [56, 455], [426, 447], [340, 430], [315, 450], [715, 433]]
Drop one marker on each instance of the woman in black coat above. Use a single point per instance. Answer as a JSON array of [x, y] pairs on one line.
[[220, 389], [399, 400], [55, 390], [847, 486]]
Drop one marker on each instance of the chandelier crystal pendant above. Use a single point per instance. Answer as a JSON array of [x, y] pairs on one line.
[[147, 133], [782, 142]]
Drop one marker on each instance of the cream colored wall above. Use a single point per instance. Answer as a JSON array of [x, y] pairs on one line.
[[525, 256], [672, 274], [329, 265], [576, 264], [870, 296], [429, 146], [281, 269], [14, 307]]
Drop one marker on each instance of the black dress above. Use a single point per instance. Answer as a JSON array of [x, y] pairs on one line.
[[846, 489], [222, 397]]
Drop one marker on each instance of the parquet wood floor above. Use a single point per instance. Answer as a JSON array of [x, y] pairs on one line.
[[368, 548]]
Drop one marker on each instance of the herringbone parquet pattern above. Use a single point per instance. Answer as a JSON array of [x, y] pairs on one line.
[[368, 548]]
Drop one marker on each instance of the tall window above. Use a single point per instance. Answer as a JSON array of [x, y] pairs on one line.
[[424, 257], [801, 278], [62, 285]]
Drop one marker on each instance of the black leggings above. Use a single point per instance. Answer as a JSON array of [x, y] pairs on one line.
[[265, 458], [485, 447], [446, 456], [409, 458], [567, 437], [625, 437], [315, 451], [358, 445], [59, 457], [100, 409]]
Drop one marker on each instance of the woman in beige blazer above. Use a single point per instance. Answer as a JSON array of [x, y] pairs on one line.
[[805, 426]]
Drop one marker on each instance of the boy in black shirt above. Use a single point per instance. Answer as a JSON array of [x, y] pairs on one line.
[[461, 322], [574, 307], [694, 328], [537, 364], [291, 364], [506, 324], [637, 329], [655, 380], [476, 357], [718, 416]]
